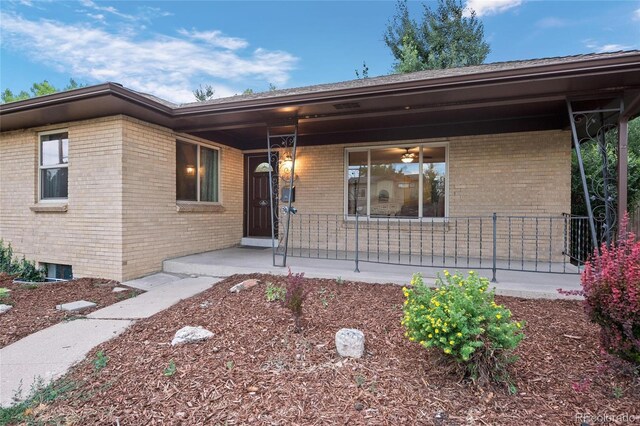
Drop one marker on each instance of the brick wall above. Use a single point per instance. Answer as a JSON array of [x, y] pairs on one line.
[[153, 229], [519, 174], [88, 235]]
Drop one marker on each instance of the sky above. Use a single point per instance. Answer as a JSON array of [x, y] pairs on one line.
[[169, 48]]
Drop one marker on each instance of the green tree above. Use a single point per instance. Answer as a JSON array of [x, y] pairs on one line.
[[592, 161], [364, 73], [445, 37], [203, 94], [37, 89]]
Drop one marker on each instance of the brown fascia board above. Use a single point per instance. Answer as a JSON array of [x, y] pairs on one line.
[[537, 72], [99, 90]]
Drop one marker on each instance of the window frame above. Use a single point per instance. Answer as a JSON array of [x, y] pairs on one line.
[[56, 166], [403, 144], [218, 173]]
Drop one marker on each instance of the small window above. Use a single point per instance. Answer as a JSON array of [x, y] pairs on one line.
[[54, 166], [197, 172], [263, 168], [56, 271]]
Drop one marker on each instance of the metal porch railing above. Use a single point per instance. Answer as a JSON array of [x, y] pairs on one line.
[[552, 244]]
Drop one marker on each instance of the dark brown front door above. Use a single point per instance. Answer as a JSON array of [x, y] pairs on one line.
[[258, 207]]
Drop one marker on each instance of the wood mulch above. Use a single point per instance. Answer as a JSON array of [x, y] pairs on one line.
[[34, 307], [255, 370]]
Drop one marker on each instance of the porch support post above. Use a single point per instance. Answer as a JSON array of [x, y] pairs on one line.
[[623, 158], [585, 188], [290, 211], [271, 200]]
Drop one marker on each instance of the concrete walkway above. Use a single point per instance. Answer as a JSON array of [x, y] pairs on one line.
[[49, 353], [244, 260]]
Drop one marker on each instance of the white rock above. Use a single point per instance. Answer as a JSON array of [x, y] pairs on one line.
[[119, 289], [350, 342], [191, 334], [244, 285], [5, 308]]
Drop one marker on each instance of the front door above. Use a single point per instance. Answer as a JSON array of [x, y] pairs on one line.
[[258, 209]]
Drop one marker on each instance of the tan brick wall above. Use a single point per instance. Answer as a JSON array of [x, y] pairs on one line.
[[518, 174], [152, 228], [88, 236], [122, 220]]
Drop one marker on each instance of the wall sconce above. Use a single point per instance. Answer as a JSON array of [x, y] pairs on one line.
[[286, 165], [191, 170]]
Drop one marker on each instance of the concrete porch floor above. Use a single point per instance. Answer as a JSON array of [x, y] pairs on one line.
[[246, 260]]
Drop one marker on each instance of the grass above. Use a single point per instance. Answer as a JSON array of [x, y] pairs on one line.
[[24, 412]]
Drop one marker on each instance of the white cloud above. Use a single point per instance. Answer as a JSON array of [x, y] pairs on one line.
[[166, 66], [490, 7], [215, 38], [552, 22], [109, 9], [607, 47], [636, 14]]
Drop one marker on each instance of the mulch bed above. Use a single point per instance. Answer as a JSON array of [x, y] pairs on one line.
[[34, 307], [256, 370]]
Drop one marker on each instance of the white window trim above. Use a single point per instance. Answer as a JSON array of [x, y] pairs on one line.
[[208, 146], [402, 144], [57, 166]]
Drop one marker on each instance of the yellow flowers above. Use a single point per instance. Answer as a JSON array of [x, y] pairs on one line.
[[437, 331], [430, 336], [447, 351], [459, 334], [498, 316], [452, 342], [519, 324]]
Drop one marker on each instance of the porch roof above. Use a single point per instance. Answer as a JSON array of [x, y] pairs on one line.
[[492, 98]]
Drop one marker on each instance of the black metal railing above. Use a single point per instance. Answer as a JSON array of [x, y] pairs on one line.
[[555, 244]]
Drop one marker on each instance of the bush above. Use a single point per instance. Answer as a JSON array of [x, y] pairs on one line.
[[274, 292], [460, 319], [20, 268], [295, 297], [611, 287]]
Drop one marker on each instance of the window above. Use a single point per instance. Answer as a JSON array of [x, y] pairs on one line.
[[54, 165], [58, 272], [197, 172], [405, 182]]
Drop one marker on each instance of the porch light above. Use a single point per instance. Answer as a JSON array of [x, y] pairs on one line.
[[287, 163], [408, 157], [191, 170]]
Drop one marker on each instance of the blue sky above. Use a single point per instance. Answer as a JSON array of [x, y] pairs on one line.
[[168, 48]]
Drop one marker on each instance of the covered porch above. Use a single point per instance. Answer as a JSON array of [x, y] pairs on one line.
[[249, 260]]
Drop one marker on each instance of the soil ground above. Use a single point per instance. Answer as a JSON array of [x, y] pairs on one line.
[[256, 370], [34, 306]]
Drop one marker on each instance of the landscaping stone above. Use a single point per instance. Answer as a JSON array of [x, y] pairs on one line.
[[350, 342], [191, 334], [5, 308], [244, 285], [76, 306], [119, 289]]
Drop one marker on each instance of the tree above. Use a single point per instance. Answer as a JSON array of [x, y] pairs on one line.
[[364, 73], [37, 89], [446, 37], [205, 93]]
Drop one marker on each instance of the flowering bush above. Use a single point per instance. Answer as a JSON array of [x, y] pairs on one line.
[[611, 287], [461, 319], [295, 296]]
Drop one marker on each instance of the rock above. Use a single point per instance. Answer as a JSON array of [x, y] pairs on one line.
[[190, 334], [204, 305], [5, 308], [358, 406], [350, 342], [76, 306], [244, 285], [119, 289]]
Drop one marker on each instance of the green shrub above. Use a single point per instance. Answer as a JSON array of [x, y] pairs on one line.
[[274, 292], [21, 268], [460, 319]]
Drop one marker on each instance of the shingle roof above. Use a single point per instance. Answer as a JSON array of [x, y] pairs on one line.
[[408, 77]]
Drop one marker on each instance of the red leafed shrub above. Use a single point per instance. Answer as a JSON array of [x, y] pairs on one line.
[[295, 297], [611, 287]]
